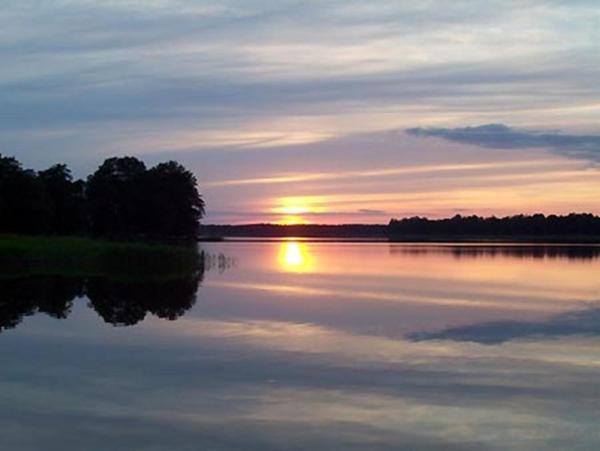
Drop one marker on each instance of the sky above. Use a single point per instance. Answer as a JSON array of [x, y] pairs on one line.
[[316, 111]]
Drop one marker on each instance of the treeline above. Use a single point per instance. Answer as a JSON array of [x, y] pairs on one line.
[[574, 227], [362, 231], [121, 199], [537, 225]]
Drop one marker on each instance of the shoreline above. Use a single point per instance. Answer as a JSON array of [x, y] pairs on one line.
[[433, 240], [90, 256]]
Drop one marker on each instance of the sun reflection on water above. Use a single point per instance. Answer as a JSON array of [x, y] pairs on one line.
[[294, 257]]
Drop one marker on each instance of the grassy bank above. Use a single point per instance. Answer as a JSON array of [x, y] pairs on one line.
[[85, 256]]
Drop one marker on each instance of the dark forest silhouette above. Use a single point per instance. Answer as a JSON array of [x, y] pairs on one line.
[[574, 227], [121, 199], [537, 225], [295, 230]]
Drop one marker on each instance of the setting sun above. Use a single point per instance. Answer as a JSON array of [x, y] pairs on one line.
[[291, 220], [294, 210], [291, 210]]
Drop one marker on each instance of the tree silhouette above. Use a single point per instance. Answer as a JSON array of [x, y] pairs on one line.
[[537, 225], [67, 212], [115, 194], [173, 205], [126, 200], [23, 207]]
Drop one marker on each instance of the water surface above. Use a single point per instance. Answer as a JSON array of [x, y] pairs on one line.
[[311, 345]]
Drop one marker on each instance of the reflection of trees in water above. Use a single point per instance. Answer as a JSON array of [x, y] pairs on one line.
[[52, 295], [126, 303], [119, 302], [219, 261], [583, 252]]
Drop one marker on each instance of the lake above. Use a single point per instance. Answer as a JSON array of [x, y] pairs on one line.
[[299, 345]]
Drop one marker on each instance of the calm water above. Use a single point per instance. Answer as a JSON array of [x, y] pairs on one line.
[[311, 346]]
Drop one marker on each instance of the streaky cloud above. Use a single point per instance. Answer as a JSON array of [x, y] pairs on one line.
[[382, 172], [501, 136]]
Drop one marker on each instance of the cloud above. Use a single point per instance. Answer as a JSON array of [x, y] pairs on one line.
[[500, 136], [584, 322], [371, 211], [382, 172]]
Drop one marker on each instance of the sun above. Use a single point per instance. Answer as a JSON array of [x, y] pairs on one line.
[[292, 210], [291, 220]]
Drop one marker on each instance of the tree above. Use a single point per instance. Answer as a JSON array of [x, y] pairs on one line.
[[66, 198], [537, 225], [115, 194], [174, 206], [23, 207], [122, 199]]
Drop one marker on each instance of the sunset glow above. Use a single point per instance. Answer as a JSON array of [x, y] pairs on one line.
[[291, 220], [293, 210]]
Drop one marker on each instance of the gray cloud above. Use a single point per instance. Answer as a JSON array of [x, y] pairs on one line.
[[372, 211], [500, 136], [128, 90]]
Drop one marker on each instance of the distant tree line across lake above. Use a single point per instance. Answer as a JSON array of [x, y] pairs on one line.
[[121, 199], [574, 227], [295, 230], [537, 225]]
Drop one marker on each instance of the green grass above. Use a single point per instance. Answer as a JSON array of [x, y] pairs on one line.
[[86, 257]]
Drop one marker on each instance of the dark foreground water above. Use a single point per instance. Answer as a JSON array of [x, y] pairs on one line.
[[311, 346]]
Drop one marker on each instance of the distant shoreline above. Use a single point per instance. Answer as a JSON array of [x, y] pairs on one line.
[[374, 233], [503, 241]]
